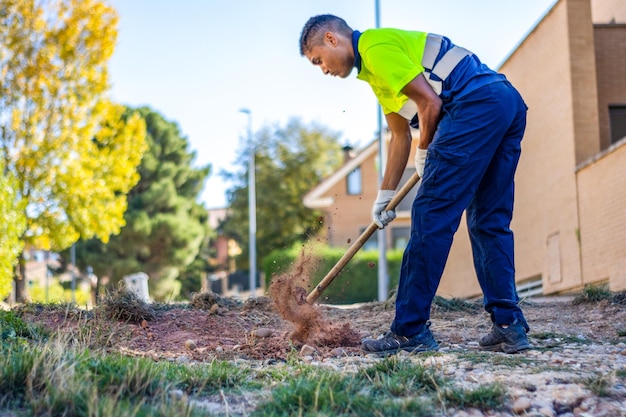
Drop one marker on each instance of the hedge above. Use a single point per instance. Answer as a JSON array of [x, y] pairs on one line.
[[357, 283]]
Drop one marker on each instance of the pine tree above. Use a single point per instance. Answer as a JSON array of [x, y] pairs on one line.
[[165, 225]]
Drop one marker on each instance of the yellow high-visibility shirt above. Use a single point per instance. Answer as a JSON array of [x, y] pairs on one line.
[[390, 59]]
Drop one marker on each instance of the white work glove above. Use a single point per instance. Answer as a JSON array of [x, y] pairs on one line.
[[381, 216], [420, 160]]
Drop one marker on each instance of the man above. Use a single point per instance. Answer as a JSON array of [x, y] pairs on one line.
[[471, 123]]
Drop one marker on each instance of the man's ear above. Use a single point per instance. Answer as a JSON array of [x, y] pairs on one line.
[[330, 38]]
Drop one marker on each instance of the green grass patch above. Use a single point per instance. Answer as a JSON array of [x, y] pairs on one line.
[[599, 384], [13, 328], [124, 376], [593, 293], [552, 339], [484, 397], [397, 377], [15, 366], [455, 304], [210, 378], [391, 387], [330, 393], [54, 378], [494, 359]]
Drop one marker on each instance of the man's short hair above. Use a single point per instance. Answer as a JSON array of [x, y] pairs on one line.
[[313, 31]]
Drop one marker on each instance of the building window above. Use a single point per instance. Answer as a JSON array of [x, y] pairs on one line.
[[354, 182], [407, 202], [617, 120], [400, 237]]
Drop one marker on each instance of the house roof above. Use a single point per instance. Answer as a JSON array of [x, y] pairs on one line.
[[316, 197]]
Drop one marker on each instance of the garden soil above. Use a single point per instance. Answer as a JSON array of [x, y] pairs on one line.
[[262, 329]]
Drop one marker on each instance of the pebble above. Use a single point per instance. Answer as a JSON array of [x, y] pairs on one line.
[[307, 350], [338, 352], [262, 332], [546, 412], [215, 308], [521, 404]]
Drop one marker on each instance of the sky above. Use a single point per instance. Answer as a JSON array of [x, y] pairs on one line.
[[200, 62]]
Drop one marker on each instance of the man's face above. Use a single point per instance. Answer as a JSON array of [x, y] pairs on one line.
[[334, 57]]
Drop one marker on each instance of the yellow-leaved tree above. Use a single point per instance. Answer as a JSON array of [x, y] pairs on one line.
[[74, 154], [12, 226]]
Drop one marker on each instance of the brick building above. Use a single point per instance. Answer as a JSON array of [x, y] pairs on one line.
[[570, 211]]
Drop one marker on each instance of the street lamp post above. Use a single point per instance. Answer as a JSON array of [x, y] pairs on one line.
[[251, 204], [383, 268]]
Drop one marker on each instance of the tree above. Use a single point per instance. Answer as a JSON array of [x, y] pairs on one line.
[[12, 226], [72, 152], [165, 225], [289, 161]]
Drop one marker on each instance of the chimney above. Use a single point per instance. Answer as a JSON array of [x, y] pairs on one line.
[[348, 153]]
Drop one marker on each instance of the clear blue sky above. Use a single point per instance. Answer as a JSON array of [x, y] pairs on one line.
[[198, 62]]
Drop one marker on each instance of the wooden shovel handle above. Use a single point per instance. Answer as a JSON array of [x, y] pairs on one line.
[[358, 244]]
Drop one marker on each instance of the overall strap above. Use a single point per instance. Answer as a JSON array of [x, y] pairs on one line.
[[443, 66]]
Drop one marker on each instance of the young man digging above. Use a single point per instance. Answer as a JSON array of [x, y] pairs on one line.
[[471, 122]]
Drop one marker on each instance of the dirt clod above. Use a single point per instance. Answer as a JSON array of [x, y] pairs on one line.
[[310, 326], [300, 295]]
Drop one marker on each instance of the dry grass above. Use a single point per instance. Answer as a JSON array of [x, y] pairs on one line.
[[124, 305], [204, 300]]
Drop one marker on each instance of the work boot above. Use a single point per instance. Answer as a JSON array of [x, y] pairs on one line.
[[511, 339], [391, 343]]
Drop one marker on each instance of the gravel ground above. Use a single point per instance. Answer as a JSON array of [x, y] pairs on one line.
[[576, 368]]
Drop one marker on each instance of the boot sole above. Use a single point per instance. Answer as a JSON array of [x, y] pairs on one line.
[[503, 347], [384, 353]]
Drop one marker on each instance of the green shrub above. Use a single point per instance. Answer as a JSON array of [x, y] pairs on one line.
[[593, 293], [358, 282], [12, 327]]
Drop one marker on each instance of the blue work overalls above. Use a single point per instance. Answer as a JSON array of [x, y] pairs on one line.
[[470, 165]]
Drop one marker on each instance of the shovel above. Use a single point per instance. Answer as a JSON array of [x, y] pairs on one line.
[[358, 244]]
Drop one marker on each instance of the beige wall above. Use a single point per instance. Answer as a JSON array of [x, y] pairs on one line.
[[602, 190], [610, 45], [563, 130], [558, 134], [608, 11], [584, 84]]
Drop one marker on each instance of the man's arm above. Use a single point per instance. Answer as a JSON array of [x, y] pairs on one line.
[[428, 108], [397, 152]]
